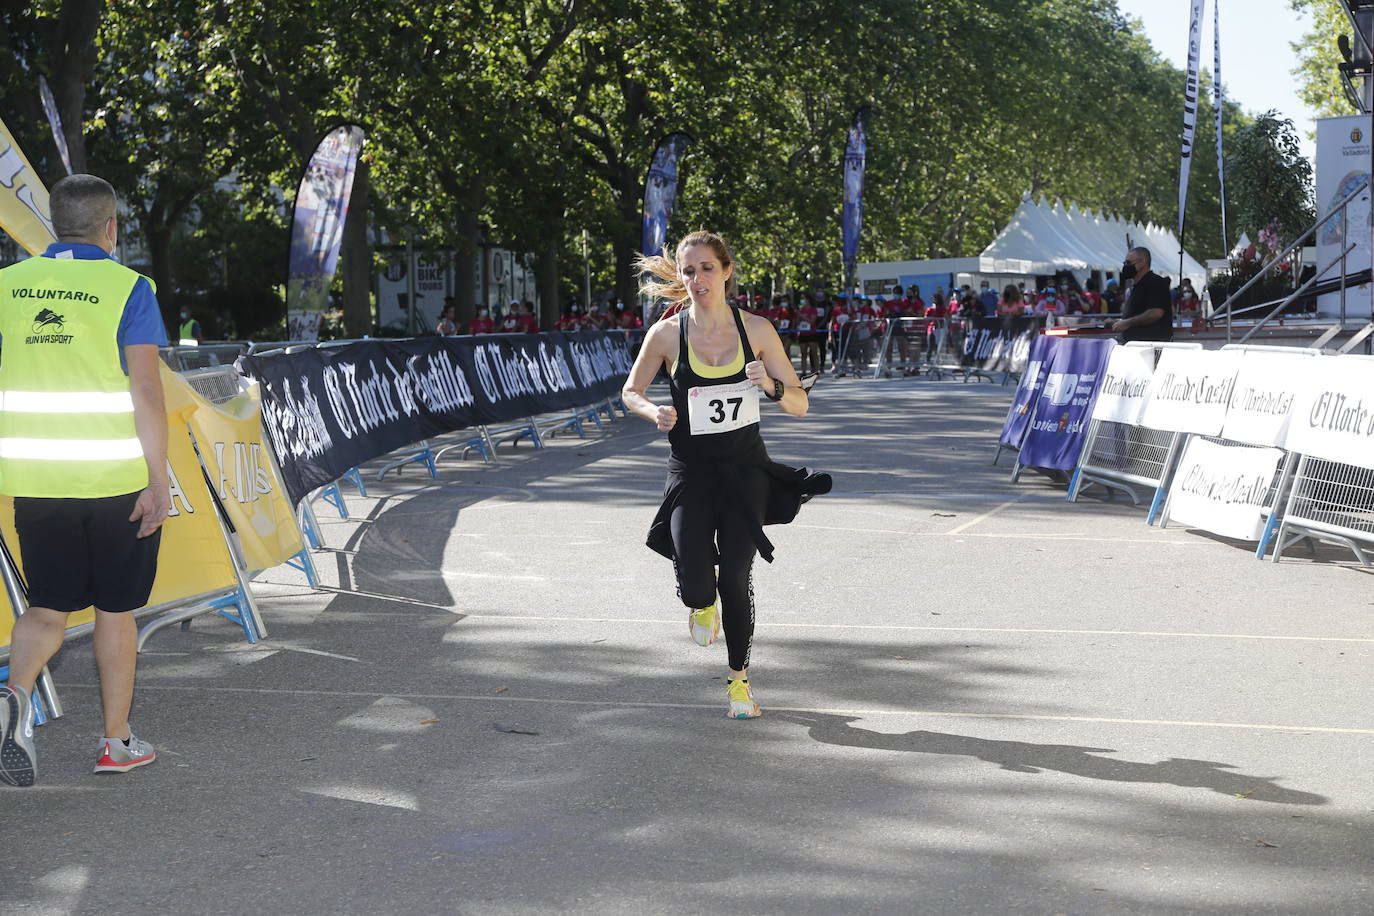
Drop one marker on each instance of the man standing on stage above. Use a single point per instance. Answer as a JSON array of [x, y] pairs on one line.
[[1147, 313]]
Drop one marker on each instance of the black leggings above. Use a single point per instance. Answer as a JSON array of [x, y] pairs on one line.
[[700, 529]]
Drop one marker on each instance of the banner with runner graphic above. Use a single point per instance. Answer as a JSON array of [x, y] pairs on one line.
[[852, 212], [23, 198], [328, 410], [1059, 424], [317, 229], [660, 192], [54, 122]]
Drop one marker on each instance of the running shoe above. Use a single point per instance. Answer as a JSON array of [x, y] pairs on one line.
[[742, 705], [704, 625], [18, 762], [118, 757]]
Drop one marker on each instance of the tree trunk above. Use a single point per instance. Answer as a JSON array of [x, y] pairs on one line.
[[546, 280], [357, 256], [468, 236], [627, 237], [73, 58], [159, 238]]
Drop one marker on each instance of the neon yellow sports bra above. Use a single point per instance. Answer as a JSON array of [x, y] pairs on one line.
[[707, 371]]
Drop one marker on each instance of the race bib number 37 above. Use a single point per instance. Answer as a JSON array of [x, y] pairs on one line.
[[721, 408]]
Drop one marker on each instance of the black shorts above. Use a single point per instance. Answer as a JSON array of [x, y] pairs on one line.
[[82, 552]]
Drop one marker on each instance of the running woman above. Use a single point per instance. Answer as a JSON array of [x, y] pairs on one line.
[[719, 361]]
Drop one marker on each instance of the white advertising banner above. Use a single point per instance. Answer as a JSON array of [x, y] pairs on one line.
[[1263, 396], [1222, 488], [1333, 416], [1343, 152], [1125, 385], [1191, 391]]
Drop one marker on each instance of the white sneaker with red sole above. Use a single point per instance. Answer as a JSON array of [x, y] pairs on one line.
[[117, 757]]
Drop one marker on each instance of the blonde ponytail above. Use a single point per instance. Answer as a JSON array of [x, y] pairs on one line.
[[660, 278]]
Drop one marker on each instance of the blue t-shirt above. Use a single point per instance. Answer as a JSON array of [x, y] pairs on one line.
[[141, 322]]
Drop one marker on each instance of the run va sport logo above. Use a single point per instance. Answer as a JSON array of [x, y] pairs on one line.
[[47, 328]]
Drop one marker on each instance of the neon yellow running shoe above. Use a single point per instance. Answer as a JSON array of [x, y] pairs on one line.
[[742, 705], [704, 625]]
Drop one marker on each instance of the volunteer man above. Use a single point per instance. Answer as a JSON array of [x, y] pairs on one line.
[[83, 451], [189, 329]]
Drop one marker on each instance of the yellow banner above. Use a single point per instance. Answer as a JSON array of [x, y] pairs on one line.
[[241, 470], [23, 199], [193, 557]]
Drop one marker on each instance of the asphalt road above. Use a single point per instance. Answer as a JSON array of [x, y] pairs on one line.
[[979, 699]]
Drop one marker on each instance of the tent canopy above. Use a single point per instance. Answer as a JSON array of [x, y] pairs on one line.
[[1055, 238]]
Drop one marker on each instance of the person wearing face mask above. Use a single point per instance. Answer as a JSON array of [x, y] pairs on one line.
[[987, 298], [482, 324], [1147, 313], [188, 329]]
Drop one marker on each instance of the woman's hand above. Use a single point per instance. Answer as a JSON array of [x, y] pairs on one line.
[[758, 374], [667, 418]]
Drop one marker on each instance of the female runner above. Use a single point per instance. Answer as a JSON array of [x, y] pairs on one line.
[[719, 360]]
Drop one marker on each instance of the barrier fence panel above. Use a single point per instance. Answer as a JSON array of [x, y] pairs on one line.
[[1269, 502], [1121, 454], [1332, 501]]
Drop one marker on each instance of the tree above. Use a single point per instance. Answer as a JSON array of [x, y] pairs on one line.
[[1319, 81], [1268, 178]]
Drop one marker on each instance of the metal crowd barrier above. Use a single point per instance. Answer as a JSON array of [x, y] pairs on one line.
[[1327, 501], [1120, 456]]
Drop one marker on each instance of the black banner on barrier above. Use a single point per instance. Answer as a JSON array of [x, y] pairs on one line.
[[331, 409], [999, 344]]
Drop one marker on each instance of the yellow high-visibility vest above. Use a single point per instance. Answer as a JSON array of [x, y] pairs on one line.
[[66, 414]]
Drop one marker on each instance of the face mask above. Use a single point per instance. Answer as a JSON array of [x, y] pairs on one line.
[[1128, 271], [482, 313]]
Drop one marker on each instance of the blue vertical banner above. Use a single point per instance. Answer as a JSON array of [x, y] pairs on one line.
[[1218, 100], [852, 215], [54, 121], [1028, 390], [660, 191], [1190, 85], [317, 229], [1059, 423]]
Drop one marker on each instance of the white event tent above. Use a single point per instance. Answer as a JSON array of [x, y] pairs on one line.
[[1056, 238], [1041, 240]]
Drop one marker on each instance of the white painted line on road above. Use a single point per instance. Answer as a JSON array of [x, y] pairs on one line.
[[881, 626], [1009, 535], [822, 710], [986, 515]]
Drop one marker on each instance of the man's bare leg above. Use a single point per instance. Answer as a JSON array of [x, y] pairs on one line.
[[116, 658], [37, 636]]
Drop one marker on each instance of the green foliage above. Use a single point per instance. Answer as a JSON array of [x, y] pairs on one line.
[[524, 122], [1319, 82], [1268, 179]]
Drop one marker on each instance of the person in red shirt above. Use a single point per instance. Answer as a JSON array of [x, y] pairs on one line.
[[805, 321], [567, 321], [528, 320], [594, 319], [628, 319], [839, 317], [936, 329], [482, 324], [510, 321]]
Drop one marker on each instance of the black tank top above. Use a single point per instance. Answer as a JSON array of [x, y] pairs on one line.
[[744, 444]]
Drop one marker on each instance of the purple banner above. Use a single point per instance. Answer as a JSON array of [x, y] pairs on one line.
[[317, 229], [660, 192], [1028, 391], [1059, 425], [54, 121], [855, 158]]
